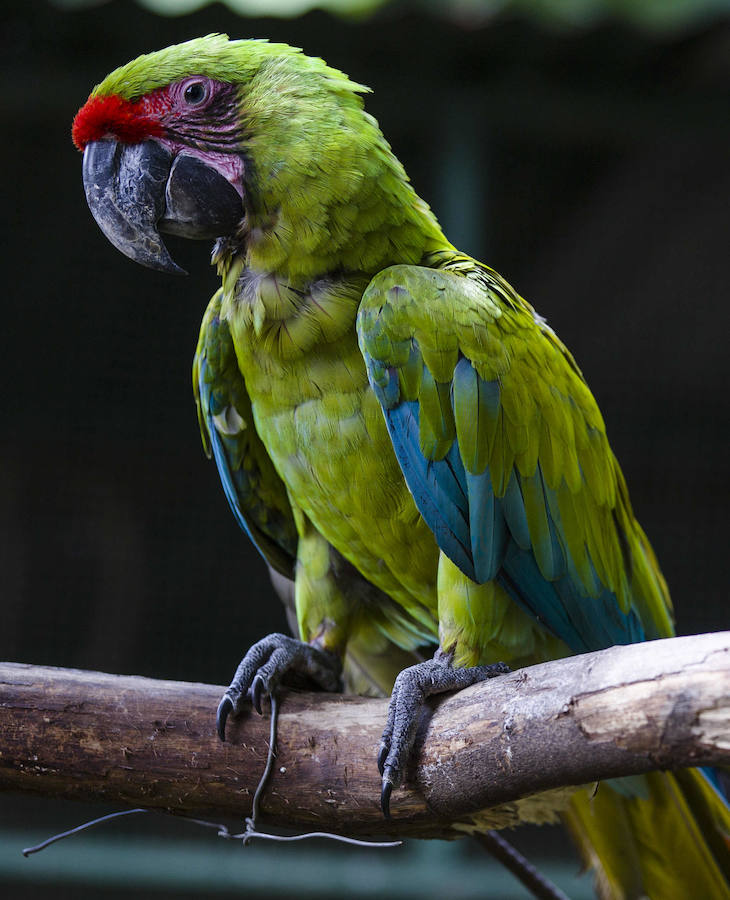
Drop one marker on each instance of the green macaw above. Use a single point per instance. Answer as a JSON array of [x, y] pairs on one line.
[[397, 430]]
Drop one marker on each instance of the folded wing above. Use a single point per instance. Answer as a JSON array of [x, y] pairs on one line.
[[505, 452]]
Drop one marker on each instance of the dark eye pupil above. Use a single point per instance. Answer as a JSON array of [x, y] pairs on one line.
[[195, 93]]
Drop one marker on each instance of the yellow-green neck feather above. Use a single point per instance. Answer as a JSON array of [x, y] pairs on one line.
[[326, 194], [327, 207]]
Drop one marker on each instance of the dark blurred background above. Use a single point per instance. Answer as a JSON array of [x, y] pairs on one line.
[[581, 148]]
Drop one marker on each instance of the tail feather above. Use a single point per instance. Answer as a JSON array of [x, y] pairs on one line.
[[669, 845]]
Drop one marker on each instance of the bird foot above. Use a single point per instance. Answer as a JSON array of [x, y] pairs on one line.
[[263, 668], [411, 689]]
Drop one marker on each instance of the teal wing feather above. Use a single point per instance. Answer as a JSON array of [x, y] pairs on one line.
[[504, 450], [255, 493]]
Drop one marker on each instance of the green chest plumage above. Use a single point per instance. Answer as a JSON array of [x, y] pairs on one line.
[[324, 430]]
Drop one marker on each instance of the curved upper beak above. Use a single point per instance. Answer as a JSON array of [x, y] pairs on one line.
[[134, 191]]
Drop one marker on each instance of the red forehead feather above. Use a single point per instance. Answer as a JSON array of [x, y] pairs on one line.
[[126, 120]]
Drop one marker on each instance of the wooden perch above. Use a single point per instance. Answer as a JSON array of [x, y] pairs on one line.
[[141, 742]]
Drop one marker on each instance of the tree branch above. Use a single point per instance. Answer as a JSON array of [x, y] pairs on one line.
[[494, 747]]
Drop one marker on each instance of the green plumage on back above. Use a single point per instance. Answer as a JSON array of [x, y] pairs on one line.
[[396, 428]]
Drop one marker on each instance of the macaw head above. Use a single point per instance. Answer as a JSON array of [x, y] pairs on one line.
[[212, 137]]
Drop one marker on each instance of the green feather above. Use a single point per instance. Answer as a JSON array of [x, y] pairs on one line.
[[438, 429], [476, 414]]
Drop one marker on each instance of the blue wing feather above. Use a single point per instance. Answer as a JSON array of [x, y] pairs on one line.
[[487, 525], [513, 508], [435, 485]]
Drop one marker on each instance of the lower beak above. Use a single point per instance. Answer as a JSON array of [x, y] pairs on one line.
[[134, 191]]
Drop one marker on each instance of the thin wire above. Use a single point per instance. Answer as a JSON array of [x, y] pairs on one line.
[[247, 835], [59, 837], [270, 757], [251, 829]]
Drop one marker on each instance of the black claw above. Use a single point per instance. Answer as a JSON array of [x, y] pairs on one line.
[[500, 668], [382, 756], [257, 689], [385, 798], [225, 708]]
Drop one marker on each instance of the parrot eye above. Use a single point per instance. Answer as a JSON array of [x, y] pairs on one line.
[[196, 93]]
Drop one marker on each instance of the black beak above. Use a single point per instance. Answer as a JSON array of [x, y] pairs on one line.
[[134, 191]]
